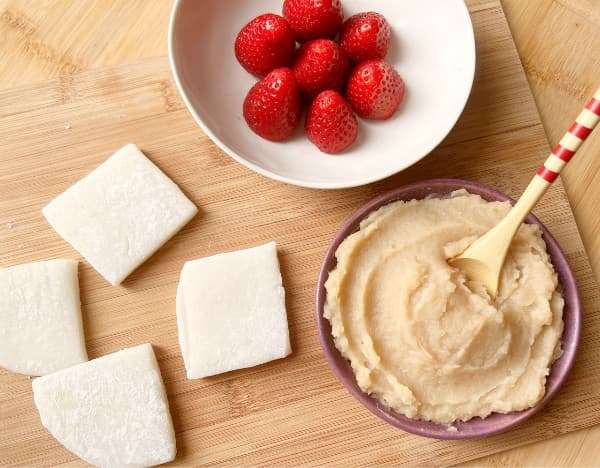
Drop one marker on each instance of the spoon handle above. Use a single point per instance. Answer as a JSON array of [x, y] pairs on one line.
[[483, 259], [573, 139], [558, 159]]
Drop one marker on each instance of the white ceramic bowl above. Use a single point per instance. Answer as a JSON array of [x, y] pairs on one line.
[[433, 48]]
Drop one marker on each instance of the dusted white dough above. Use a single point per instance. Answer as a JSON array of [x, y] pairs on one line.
[[231, 312], [40, 317], [112, 411], [120, 214]]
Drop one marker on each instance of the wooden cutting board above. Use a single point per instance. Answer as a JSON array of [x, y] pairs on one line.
[[290, 411]]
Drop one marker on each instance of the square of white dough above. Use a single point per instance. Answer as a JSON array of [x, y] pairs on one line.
[[120, 214], [111, 411], [231, 312], [40, 317]]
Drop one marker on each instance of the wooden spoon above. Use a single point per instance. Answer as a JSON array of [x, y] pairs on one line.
[[483, 260]]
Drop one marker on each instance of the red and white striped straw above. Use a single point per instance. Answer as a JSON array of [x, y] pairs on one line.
[[573, 139]]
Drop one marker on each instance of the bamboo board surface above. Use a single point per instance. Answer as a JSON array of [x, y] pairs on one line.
[[289, 411]]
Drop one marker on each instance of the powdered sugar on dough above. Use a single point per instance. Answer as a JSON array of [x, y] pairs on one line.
[[231, 312], [120, 214], [112, 411], [40, 317]]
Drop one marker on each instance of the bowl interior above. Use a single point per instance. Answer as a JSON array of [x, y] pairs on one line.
[[476, 427], [435, 53]]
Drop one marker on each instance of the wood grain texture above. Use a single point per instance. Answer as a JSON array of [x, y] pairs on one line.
[[559, 44], [41, 39]]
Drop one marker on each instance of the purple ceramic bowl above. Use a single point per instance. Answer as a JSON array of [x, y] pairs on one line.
[[476, 427]]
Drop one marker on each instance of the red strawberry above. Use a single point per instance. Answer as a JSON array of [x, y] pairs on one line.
[[375, 90], [311, 19], [366, 36], [320, 65], [330, 124], [265, 43], [273, 106]]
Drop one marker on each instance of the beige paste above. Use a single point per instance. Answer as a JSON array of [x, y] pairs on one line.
[[422, 339]]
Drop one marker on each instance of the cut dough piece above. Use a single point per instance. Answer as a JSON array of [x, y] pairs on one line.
[[112, 411], [120, 214], [231, 312], [40, 317]]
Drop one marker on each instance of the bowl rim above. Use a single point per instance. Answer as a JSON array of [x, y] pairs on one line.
[[173, 62], [503, 422]]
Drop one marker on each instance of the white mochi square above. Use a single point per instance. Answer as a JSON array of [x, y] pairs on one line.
[[231, 312], [40, 317], [120, 214], [112, 411]]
